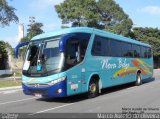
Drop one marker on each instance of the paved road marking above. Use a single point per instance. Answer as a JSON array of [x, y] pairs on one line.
[[10, 88], [10, 91], [52, 108], [17, 101]]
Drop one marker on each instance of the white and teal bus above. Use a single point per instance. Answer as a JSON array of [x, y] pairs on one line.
[[79, 60]]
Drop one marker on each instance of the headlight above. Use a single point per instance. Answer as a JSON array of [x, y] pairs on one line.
[[24, 82], [56, 81]]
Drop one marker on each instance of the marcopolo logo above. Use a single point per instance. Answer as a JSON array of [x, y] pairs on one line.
[[36, 85]]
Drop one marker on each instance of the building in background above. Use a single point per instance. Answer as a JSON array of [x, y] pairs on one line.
[[20, 31]]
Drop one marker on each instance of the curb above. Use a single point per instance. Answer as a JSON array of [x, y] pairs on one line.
[[10, 78], [14, 77], [10, 88]]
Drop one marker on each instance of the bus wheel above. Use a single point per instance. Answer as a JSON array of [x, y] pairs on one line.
[[93, 89], [138, 79]]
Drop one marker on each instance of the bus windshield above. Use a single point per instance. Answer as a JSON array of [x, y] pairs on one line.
[[43, 57]]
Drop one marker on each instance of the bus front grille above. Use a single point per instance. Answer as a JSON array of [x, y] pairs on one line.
[[37, 85], [43, 92]]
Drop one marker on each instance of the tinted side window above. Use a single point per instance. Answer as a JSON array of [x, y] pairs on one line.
[[143, 52], [116, 48], [136, 50], [100, 46], [127, 50], [149, 52], [84, 44], [76, 48]]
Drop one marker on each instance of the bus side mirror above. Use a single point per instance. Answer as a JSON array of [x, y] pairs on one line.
[[62, 45], [63, 41], [17, 48]]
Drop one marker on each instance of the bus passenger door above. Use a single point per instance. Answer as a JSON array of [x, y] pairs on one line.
[[73, 66], [76, 46]]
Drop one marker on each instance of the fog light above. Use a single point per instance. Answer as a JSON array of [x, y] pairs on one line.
[[59, 91]]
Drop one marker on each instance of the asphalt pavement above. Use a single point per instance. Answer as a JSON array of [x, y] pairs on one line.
[[124, 98]]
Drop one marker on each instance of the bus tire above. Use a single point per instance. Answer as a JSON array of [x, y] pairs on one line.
[[93, 90], [138, 79]]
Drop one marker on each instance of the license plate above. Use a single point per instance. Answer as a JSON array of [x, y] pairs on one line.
[[38, 95]]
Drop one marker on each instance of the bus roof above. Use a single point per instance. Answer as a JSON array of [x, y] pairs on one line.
[[88, 30]]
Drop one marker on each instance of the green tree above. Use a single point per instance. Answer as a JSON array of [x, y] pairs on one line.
[[34, 29], [24, 39], [7, 14], [114, 18], [3, 55], [152, 37], [10, 48], [102, 14]]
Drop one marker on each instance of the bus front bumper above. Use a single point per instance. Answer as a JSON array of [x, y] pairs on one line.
[[57, 90]]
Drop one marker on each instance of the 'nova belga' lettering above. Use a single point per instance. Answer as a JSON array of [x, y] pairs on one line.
[[121, 64]]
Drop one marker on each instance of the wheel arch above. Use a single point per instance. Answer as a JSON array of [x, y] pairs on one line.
[[96, 76]]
